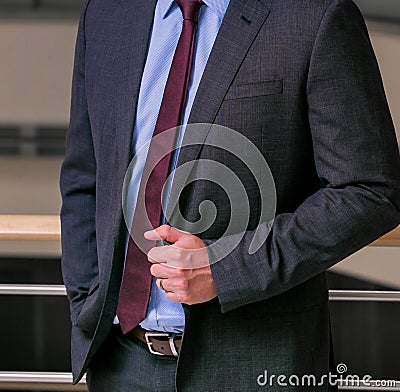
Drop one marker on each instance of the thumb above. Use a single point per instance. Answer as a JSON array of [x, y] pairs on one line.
[[166, 233]]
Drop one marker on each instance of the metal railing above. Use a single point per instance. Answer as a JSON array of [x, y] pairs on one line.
[[32, 289], [40, 381], [47, 228], [334, 295]]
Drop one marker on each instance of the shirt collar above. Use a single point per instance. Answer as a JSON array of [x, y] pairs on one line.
[[165, 6], [217, 6]]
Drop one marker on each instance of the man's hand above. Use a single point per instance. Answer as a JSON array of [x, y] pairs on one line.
[[183, 266]]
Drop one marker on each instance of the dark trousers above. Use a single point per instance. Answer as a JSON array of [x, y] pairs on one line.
[[123, 365]]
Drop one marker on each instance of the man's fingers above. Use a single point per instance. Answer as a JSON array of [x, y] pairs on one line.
[[177, 257], [161, 271], [158, 254], [163, 284], [186, 252], [169, 255], [166, 233], [178, 287]]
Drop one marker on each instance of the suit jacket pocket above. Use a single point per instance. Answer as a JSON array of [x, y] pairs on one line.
[[89, 314], [248, 90]]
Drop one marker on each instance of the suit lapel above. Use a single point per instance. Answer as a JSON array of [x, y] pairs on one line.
[[135, 19], [242, 22]]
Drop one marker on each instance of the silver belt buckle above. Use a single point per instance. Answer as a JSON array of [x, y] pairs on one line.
[[148, 335]]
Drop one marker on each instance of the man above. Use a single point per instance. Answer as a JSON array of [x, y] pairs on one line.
[[297, 79]]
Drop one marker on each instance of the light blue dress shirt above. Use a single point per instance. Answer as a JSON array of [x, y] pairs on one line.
[[163, 314]]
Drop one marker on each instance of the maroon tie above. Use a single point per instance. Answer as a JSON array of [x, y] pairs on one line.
[[136, 283]]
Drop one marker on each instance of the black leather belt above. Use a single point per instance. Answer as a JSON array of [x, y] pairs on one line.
[[158, 343]]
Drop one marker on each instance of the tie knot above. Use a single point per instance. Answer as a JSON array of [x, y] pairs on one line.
[[190, 9]]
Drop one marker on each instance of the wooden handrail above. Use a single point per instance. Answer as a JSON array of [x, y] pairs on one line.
[[390, 239], [47, 228], [30, 228]]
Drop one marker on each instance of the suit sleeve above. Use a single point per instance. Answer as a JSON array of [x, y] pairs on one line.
[[357, 160], [78, 190]]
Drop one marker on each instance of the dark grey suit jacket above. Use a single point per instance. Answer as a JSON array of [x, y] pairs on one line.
[[300, 80]]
